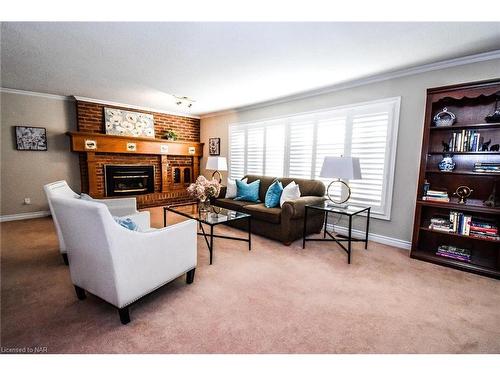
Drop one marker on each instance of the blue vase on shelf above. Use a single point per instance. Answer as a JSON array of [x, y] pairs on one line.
[[447, 164]]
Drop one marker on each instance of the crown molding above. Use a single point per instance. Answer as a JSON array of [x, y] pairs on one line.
[[492, 55], [91, 100], [124, 105], [34, 93]]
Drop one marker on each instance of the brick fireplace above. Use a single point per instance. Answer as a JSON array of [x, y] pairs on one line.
[[173, 171]]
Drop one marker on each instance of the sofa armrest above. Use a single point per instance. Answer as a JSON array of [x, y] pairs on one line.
[[295, 209]]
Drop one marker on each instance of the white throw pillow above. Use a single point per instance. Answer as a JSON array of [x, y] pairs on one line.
[[231, 188], [290, 192]]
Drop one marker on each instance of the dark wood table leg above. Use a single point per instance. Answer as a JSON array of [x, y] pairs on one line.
[[164, 217], [367, 227]]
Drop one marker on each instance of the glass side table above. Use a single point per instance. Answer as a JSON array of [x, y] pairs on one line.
[[350, 212]]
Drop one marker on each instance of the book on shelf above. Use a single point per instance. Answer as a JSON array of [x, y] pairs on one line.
[[436, 196], [487, 167], [465, 141], [454, 252], [465, 225]]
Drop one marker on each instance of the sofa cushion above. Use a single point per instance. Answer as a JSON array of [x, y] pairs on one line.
[[273, 195], [247, 192], [261, 212], [231, 204]]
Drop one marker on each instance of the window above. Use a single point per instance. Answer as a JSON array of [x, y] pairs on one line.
[[295, 146]]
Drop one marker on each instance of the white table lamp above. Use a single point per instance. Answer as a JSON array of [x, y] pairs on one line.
[[341, 168], [217, 164]]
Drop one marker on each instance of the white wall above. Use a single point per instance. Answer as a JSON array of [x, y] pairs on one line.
[[412, 90], [24, 173]]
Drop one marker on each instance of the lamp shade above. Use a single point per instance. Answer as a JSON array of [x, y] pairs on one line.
[[216, 163], [346, 168]]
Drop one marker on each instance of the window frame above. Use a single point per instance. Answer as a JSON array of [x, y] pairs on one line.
[[390, 152]]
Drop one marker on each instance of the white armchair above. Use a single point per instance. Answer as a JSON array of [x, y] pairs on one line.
[[123, 207], [117, 264]]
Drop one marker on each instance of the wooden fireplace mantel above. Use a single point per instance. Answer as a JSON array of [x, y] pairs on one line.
[[95, 142]]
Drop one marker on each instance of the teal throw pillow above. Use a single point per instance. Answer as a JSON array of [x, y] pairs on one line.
[[273, 195], [126, 223], [247, 192]]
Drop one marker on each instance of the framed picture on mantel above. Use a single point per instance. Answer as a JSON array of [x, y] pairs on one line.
[[127, 123]]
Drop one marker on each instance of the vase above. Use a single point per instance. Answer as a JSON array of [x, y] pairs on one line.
[[204, 205]]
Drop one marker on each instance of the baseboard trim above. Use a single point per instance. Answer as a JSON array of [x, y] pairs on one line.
[[24, 216], [396, 242]]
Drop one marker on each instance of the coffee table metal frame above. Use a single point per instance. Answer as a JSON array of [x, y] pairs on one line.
[[350, 212], [206, 219]]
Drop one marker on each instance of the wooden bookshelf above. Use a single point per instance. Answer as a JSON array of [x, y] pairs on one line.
[[471, 103]]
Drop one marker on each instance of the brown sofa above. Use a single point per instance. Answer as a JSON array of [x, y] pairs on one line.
[[283, 224]]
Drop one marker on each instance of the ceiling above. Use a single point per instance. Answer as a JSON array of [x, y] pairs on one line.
[[220, 65]]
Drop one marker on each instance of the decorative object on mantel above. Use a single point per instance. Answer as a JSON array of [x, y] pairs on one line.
[[127, 123], [495, 116], [447, 164], [203, 190], [463, 192], [90, 144], [214, 146], [170, 135], [31, 138], [444, 118], [495, 147]]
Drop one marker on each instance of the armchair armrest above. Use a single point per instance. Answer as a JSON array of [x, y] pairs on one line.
[[120, 206], [143, 261], [295, 209]]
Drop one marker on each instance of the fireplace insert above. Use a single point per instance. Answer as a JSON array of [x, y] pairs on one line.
[[129, 179]]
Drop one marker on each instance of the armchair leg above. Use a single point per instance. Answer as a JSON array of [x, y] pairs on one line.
[[190, 276], [65, 258], [124, 315], [80, 293]]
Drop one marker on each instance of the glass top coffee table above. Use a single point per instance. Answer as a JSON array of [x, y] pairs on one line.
[[213, 217]]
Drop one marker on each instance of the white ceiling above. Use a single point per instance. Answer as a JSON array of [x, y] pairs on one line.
[[220, 65]]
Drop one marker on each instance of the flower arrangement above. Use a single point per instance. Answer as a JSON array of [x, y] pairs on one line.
[[204, 189]]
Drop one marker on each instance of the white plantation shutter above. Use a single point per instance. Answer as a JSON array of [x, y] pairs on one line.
[[369, 144], [255, 151], [301, 146], [236, 152], [275, 149], [330, 142], [295, 146]]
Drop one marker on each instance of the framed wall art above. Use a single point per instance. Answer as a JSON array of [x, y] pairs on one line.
[[127, 123], [31, 138], [214, 146]]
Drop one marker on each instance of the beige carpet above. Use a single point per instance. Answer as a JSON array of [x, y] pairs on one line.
[[274, 299]]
